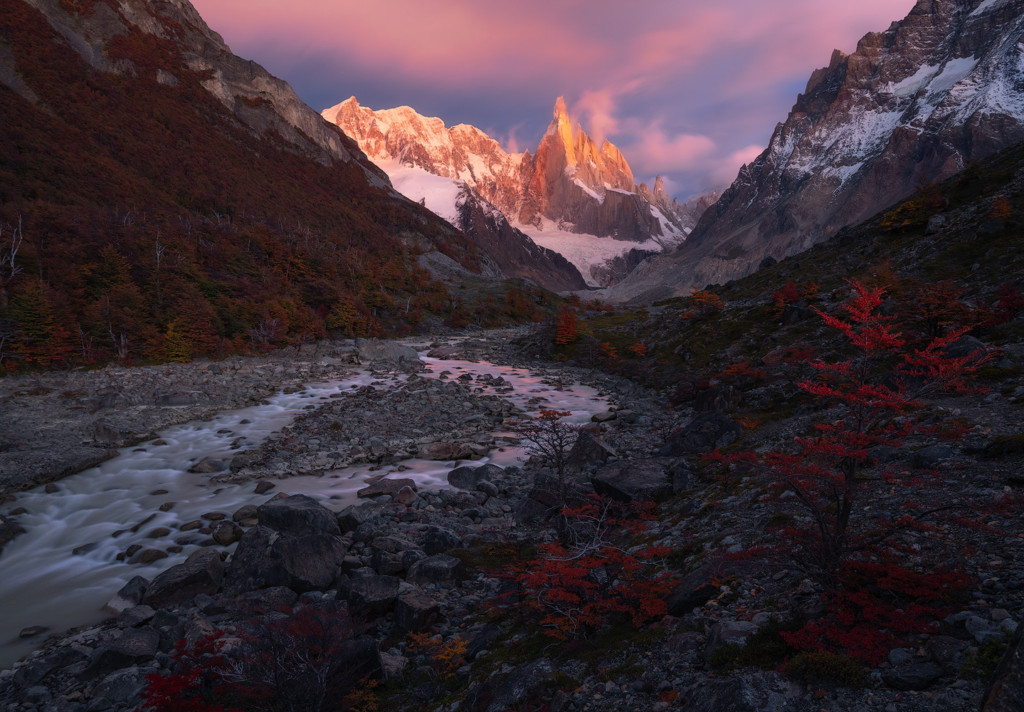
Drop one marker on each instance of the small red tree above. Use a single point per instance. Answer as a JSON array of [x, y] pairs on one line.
[[877, 391], [592, 577]]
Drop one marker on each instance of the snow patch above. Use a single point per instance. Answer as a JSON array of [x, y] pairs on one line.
[[589, 191], [439, 195], [583, 250], [911, 85], [954, 71]]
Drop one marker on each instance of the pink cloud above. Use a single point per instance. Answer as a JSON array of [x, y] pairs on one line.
[[680, 85]]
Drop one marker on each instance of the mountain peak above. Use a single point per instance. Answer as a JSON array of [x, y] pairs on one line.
[[560, 111]]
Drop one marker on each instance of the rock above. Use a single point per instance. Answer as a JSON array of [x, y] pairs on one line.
[[603, 417], [694, 590], [930, 456], [467, 477], [391, 544], [441, 569], [947, 651], [225, 533], [245, 513], [701, 435], [916, 676], [201, 573], [263, 486], [209, 465], [406, 496], [729, 633], [386, 486], [438, 540], [588, 449], [130, 595], [135, 645], [634, 481], [373, 596], [1005, 692], [415, 611], [135, 616], [520, 685], [148, 556], [964, 346], [302, 562], [722, 397], [297, 515], [32, 631], [351, 517], [122, 687]]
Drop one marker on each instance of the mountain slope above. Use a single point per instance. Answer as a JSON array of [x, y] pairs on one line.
[[167, 199], [912, 105]]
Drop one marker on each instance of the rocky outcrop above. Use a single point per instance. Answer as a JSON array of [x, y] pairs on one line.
[[912, 105]]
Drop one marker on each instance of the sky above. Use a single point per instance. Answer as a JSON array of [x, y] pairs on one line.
[[688, 89]]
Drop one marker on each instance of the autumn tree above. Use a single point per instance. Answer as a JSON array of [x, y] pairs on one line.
[[877, 395], [565, 329], [701, 304]]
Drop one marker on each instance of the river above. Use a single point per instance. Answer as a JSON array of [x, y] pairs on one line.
[[62, 571]]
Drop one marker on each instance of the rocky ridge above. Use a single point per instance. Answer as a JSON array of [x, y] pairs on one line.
[[912, 105]]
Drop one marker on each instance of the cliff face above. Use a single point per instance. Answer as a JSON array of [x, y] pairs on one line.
[[569, 180], [910, 106]]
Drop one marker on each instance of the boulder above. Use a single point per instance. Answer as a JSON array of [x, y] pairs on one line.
[[265, 558], [225, 533], [588, 449], [634, 481], [130, 595], [916, 676], [372, 596], [440, 569], [438, 540], [386, 486], [441, 451], [297, 515], [415, 611], [201, 573], [467, 477], [701, 435]]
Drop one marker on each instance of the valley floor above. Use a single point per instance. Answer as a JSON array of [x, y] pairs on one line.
[[386, 544]]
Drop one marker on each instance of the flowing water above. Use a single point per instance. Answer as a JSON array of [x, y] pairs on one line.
[[61, 572]]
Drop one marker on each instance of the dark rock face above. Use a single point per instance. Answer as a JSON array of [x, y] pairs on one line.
[[634, 481], [201, 573], [373, 596], [911, 106], [703, 434]]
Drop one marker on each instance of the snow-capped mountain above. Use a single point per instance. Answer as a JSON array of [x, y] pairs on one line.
[[912, 105], [563, 195]]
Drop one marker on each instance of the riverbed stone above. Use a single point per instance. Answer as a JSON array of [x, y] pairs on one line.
[[915, 676], [467, 477], [298, 514], [208, 466], [386, 486], [225, 533], [131, 594], [202, 572], [589, 448]]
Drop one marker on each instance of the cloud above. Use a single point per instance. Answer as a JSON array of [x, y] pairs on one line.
[[682, 86]]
